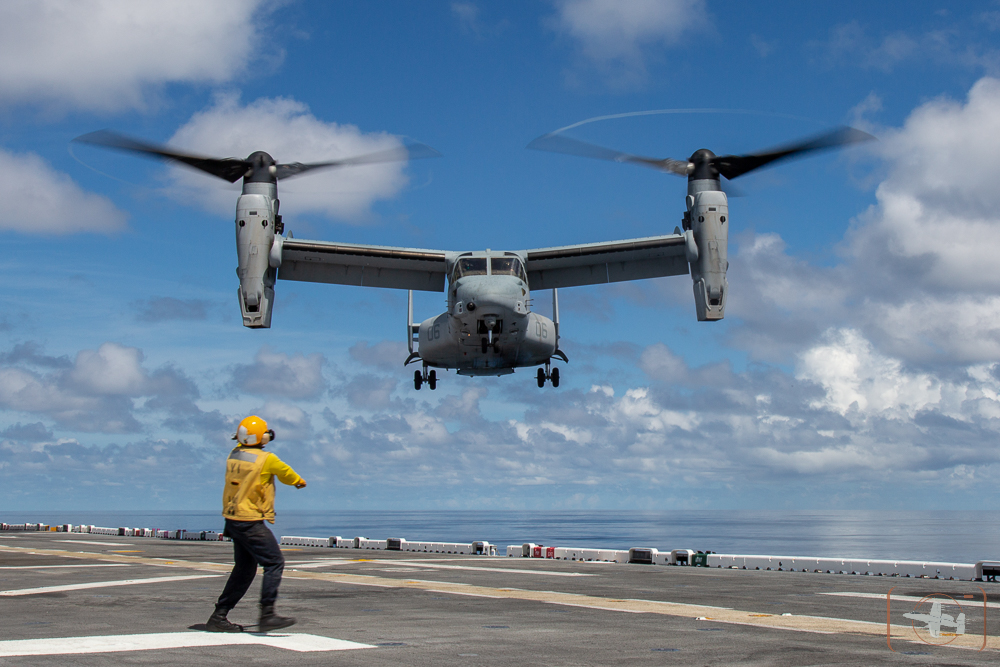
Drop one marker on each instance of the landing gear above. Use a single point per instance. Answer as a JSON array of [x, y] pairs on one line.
[[548, 373], [485, 345], [429, 377]]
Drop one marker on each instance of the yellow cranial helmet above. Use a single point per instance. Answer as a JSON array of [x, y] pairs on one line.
[[253, 431]]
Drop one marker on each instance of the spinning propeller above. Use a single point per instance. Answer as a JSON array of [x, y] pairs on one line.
[[258, 167], [703, 164]]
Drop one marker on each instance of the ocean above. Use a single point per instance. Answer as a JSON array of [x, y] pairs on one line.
[[949, 536]]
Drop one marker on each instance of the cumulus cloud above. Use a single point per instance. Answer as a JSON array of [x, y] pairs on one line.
[[289, 132], [387, 355], [56, 474], [280, 374], [617, 37], [371, 392], [94, 393], [856, 377], [923, 256], [110, 54], [40, 200], [916, 268]]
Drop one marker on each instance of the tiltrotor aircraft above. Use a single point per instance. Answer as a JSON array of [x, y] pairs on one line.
[[489, 327]]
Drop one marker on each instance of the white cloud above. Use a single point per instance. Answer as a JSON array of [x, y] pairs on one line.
[[95, 392], [280, 374], [108, 54], [110, 370], [40, 200], [285, 129], [917, 276], [855, 376], [614, 35], [924, 257]]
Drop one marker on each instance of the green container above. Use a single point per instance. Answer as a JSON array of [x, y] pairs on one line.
[[699, 560]]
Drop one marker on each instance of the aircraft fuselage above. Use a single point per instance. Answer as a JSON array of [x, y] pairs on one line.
[[489, 328]]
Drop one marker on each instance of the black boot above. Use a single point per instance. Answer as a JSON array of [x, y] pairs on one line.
[[271, 621], [218, 622]]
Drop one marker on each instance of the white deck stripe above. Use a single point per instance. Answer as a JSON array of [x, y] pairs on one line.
[[312, 565], [103, 544], [963, 602], [103, 584], [301, 643], [51, 567]]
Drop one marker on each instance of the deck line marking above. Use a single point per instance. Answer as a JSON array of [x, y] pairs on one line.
[[109, 544], [301, 643], [913, 598], [312, 565], [817, 624], [102, 584], [52, 567]]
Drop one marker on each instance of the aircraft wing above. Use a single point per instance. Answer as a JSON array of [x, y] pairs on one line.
[[615, 261], [362, 265]]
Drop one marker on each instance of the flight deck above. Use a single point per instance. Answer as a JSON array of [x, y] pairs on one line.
[[90, 599]]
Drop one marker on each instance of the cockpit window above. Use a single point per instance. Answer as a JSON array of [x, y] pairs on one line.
[[507, 266], [470, 266]]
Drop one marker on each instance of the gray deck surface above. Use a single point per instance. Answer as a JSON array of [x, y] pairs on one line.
[[429, 609]]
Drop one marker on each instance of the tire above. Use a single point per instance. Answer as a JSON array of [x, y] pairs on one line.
[[485, 345], [541, 378], [555, 377], [432, 380], [417, 380]]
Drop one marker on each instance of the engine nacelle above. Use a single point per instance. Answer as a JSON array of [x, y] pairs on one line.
[[708, 212], [254, 241]]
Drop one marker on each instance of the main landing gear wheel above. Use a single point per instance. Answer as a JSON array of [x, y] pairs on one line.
[[486, 345], [548, 373], [430, 378]]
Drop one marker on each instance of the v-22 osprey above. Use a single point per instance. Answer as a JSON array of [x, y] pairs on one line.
[[489, 327]]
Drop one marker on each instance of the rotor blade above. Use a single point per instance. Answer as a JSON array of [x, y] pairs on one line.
[[733, 166], [558, 143], [229, 169], [411, 151]]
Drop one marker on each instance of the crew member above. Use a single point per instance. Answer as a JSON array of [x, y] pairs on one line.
[[247, 501]]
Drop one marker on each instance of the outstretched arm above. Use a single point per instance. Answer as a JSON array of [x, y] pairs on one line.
[[283, 471]]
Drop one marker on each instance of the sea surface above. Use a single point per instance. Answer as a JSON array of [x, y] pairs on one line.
[[948, 536]]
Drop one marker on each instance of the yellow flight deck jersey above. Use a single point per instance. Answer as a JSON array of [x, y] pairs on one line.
[[249, 492]]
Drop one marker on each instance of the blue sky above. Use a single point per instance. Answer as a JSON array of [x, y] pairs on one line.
[[856, 368]]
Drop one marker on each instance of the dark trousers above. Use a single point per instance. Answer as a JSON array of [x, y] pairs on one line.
[[253, 545]]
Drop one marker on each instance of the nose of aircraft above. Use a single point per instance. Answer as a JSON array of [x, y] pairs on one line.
[[491, 298]]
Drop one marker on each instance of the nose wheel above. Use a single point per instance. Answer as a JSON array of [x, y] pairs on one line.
[[429, 377], [486, 345], [547, 373]]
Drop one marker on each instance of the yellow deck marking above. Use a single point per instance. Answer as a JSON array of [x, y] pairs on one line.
[[816, 624]]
